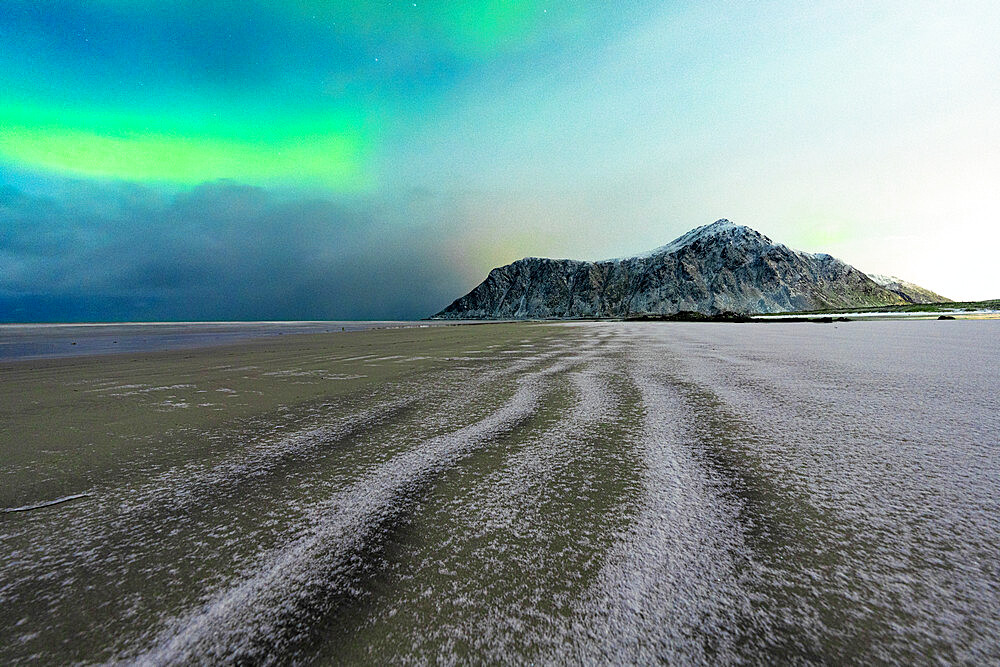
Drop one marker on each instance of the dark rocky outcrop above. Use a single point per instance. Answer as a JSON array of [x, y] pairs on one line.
[[717, 268]]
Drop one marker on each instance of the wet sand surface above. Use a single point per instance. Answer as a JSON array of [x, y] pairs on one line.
[[525, 493], [37, 341]]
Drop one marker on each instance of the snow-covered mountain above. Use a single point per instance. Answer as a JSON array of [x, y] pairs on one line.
[[715, 268]]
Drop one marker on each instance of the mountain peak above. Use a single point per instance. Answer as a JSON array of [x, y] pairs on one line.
[[722, 229], [720, 226], [721, 222]]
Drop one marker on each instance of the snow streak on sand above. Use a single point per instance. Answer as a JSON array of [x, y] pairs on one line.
[[261, 616], [189, 484], [668, 591], [530, 498], [207, 515], [45, 503]]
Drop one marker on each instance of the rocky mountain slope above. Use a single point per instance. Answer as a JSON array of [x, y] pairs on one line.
[[716, 268], [907, 290]]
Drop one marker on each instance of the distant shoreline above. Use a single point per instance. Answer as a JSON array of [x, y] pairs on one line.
[[988, 309], [50, 340], [45, 340]]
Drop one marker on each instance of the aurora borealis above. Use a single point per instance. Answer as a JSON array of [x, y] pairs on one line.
[[307, 159], [257, 92]]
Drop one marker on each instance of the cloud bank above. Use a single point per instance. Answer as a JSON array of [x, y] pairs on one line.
[[218, 251]]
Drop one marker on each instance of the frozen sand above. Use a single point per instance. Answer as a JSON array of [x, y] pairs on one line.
[[603, 492]]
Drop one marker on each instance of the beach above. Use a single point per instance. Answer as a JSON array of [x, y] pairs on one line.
[[598, 492]]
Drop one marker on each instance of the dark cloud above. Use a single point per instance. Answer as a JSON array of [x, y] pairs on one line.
[[220, 251]]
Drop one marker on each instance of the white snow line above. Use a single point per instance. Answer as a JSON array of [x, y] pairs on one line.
[[183, 485], [47, 503]]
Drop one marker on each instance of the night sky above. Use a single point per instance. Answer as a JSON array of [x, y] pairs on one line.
[[340, 160]]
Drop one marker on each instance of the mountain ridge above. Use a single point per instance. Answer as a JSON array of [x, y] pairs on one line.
[[714, 268], [909, 291]]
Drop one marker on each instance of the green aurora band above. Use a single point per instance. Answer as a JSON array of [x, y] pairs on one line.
[[330, 156], [297, 118]]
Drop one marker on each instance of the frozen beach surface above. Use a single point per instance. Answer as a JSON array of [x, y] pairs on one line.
[[518, 493]]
